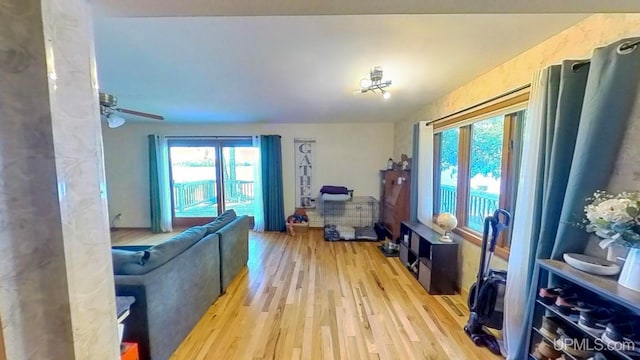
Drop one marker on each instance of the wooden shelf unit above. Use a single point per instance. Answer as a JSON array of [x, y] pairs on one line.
[[395, 198], [592, 288], [435, 263]]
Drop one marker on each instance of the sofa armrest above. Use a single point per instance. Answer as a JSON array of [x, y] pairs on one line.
[[234, 249], [172, 298]]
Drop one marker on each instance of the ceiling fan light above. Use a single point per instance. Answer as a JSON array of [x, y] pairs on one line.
[[386, 94], [115, 121]]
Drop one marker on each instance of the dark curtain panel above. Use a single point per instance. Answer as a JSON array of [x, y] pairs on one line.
[[588, 106], [272, 188], [154, 186], [415, 163]]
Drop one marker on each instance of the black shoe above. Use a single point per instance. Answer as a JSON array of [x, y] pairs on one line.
[[595, 320], [620, 335]]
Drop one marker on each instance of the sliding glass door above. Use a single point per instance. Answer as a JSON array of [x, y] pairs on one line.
[[238, 174], [209, 176], [193, 175]]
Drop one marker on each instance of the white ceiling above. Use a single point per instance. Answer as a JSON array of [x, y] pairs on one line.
[[303, 68], [357, 7]]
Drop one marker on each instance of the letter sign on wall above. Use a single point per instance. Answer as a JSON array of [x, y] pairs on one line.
[[304, 149]]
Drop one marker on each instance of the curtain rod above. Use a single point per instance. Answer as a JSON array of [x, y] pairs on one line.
[[510, 92]]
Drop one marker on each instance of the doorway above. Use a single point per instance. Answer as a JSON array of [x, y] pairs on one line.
[[209, 176]]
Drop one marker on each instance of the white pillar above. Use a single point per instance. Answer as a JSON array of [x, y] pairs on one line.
[[56, 283]]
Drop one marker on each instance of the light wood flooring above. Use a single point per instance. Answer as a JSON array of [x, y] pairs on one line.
[[305, 298]]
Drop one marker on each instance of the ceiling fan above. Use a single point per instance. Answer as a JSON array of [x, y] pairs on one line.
[[375, 82], [109, 109]]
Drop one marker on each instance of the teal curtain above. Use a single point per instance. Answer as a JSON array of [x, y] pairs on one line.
[[154, 187], [415, 163], [272, 194], [582, 113]]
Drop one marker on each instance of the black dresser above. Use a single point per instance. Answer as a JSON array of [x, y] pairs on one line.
[[433, 262]]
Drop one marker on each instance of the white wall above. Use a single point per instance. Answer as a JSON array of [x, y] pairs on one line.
[[346, 154]]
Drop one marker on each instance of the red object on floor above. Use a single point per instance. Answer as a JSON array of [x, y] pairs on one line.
[[129, 351]]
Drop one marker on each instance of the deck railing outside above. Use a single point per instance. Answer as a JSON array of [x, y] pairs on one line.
[[194, 193], [481, 204]]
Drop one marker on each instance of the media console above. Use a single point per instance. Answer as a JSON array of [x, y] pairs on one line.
[[433, 262]]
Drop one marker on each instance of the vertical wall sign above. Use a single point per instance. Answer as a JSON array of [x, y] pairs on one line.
[[304, 152]]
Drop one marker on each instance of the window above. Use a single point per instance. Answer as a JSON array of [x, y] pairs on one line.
[[449, 170], [485, 167], [476, 166], [209, 176]]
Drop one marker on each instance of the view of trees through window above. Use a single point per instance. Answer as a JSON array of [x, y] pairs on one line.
[[485, 170], [476, 167], [484, 140], [449, 170]]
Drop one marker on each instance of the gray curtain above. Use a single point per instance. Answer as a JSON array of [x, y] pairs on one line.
[[587, 107], [415, 163]]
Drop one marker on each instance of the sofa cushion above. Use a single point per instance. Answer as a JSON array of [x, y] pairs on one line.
[[163, 252], [221, 221], [125, 260]]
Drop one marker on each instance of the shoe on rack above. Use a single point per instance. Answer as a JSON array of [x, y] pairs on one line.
[[572, 343], [567, 304], [545, 351], [549, 295], [595, 320], [620, 335], [549, 328]]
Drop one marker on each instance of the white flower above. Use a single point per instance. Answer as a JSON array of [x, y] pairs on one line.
[[610, 211]]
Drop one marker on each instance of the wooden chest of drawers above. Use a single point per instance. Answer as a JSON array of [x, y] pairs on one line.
[[394, 205]]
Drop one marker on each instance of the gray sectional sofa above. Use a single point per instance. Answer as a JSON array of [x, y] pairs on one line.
[[175, 282]]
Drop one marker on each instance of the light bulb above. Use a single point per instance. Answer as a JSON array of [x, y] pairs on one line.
[[115, 121], [365, 83], [386, 94]]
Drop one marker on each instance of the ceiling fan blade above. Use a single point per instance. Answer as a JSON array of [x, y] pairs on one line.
[[139, 113]]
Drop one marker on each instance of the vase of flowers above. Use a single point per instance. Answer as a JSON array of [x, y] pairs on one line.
[[616, 219]]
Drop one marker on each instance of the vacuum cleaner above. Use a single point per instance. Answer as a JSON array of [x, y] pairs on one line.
[[486, 296]]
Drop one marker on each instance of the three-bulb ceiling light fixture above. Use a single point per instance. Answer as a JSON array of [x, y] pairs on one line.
[[375, 83]]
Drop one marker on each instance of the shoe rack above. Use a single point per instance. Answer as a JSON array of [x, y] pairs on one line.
[[571, 319]]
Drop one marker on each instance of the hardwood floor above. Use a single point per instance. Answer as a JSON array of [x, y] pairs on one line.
[[305, 298]]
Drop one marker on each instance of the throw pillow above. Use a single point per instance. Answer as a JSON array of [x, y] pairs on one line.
[[125, 261]]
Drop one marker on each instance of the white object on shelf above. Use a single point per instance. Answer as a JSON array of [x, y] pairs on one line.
[[630, 275], [446, 222], [591, 265]]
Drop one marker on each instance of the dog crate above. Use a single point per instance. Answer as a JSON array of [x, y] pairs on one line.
[[352, 219]]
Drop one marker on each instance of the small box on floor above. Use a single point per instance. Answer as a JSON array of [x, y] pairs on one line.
[[298, 223], [301, 228], [129, 351]]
